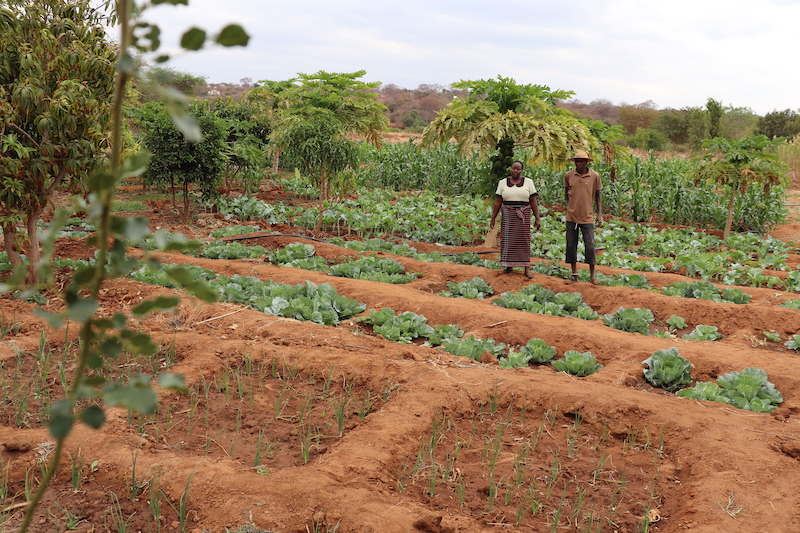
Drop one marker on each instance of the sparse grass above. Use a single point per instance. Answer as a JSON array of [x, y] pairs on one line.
[[130, 205], [564, 471]]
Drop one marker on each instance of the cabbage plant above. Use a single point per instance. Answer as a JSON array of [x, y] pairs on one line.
[[667, 369]]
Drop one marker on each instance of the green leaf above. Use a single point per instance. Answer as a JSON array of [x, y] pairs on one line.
[[53, 320], [81, 309], [172, 381], [93, 416], [202, 291], [162, 303], [233, 35], [111, 347], [193, 39], [61, 419], [102, 181], [135, 165], [137, 395], [136, 229]]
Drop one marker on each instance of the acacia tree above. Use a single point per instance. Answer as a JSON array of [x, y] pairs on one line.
[[56, 85], [737, 164], [498, 115]]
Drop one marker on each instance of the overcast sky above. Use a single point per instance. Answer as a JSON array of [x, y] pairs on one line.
[[676, 53]]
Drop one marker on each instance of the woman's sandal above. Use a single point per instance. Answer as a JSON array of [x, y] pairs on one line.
[[573, 278], [528, 275]]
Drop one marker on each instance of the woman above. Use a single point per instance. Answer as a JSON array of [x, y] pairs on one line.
[[516, 197]]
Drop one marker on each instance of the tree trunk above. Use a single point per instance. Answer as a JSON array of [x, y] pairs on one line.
[[186, 202], [729, 221], [35, 253], [276, 156], [10, 242]]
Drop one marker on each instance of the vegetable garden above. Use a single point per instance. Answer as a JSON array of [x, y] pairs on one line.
[[382, 375]]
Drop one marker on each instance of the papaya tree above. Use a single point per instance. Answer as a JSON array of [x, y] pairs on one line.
[[606, 135], [498, 115], [342, 97], [737, 164], [270, 98], [56, 86]]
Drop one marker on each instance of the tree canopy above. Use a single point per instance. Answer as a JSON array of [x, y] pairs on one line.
[[737, 164], [502, 114], [56, 85]]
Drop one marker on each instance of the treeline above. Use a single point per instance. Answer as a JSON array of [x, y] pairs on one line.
[[648, 128]]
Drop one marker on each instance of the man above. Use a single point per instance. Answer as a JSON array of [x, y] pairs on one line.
[[582, 188]]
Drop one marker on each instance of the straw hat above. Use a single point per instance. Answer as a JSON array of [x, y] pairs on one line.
[[581, 154]]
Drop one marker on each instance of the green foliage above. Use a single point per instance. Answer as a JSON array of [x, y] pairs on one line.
[[702, 332], [56, 89], [232, 250], [103, 336], [791, 304], [298, 255], [514, 360], [738, 164], [535, 351], [444, 333], [404, 166], [251, 208], [577, 363], [179, 161], [771, 336], [377, 245], [498, 114], [475, 289], [537, 299], [634, 320], [538, 351], [473, 348], [313, 117], [232, 231], [375, 268], [705, 290], [318, 145], [404, 327], [793, 343], [749, 390], [667, 369], [776, 124], [676, 322], [648, 139]]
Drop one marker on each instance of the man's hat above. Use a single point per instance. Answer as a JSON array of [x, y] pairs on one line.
[[581, 154]]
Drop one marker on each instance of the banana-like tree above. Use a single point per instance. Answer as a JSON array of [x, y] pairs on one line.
[[499, 115], [737, 164]]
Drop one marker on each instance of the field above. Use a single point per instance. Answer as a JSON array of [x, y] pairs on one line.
[[293, 426]]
